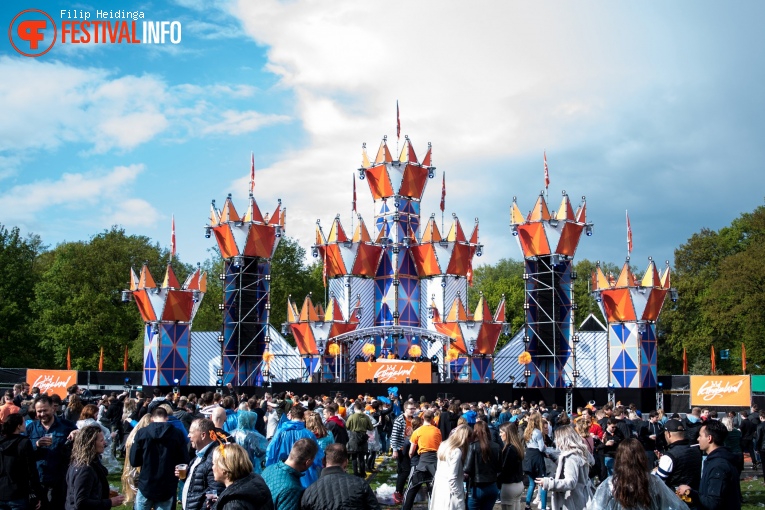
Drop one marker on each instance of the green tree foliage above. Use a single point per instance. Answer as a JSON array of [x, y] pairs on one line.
[[18, 276], [78, 300], [504, 277]]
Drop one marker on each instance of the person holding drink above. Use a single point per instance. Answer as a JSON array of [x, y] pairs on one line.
[[200, 481], [87, 485]]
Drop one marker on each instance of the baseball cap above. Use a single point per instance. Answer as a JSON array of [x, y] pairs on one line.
[[674, 426]]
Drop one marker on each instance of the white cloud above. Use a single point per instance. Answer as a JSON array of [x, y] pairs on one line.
[[237, 123], [133, 212]]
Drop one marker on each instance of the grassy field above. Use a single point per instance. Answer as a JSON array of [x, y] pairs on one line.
[[752, 484]]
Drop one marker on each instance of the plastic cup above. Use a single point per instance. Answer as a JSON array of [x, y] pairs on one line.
[[182, 471]]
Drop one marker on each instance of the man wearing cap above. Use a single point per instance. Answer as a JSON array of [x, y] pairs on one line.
[[681, 463]]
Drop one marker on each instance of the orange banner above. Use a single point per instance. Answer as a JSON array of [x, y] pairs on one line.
[[393, 371], [721, 390], [52, 381]]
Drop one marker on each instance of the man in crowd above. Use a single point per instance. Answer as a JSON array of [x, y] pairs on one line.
[[286, 436], [692, 423], [49, 435], [8, 408], [157, 449], [681, 463], [335, 424], [358, 425], [402, 430], [283, 478], [652, 436], [720, 486], [200, 478], [748, 429], [424, 443], [336, 489]]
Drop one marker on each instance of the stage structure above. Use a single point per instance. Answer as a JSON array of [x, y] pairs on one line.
[[247, 243], [388, 290], [167, 311], [548, 242], [632, 307]]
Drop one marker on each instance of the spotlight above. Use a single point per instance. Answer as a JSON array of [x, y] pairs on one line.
[[661, 384], [127, 381], [588, 230], [527, 373], [673, 295], [222, 276], [284, 329], [443, 282], [221, 338], [415, 381], [220, 372], [176, 381], [238, 261], [362, 174], [219, 382], [479, 250], [125, 296], [208, 232], [314, 252], [611, 386], [515, 230], [221, 306], [196, 296], [569, 385]]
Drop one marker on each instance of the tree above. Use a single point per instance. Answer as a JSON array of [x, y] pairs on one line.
[[504, 277], [18, 277]]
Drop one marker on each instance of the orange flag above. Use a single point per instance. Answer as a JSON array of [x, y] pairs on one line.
[[685, 362], [743, 358], [714, 367], [125, 360], [68, 358], [101, 361]]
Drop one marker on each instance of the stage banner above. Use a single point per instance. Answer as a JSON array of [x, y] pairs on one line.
[[721, 390], [51, 381], [393, 371]]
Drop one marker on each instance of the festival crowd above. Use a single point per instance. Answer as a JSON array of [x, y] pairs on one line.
[[290, 452]]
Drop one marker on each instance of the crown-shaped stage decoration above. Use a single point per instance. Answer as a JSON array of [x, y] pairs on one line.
[[548, 242], [357, 255], [312, 327], [250, 235], [451, 255], [632, 308], [405, 177], [167, 311], [472, 334]]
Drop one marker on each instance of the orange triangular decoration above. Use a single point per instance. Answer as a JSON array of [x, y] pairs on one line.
[[292, 315], [625, 277], [516, 217], [565, 211], [456, 233], [276, 217], [364, 158], [253, 212], [474, 235], [436, 315], [214, 218], [333, 312], [361, 235], [308, 312], [170, 280], [600, 280], [319, 237], [665, 279], [192, 282], [336, 233], [651, 277], [229, 212], [407, 153], [146, 279], [457, 312], [203, 283], [581, 213], [428, 156], [431, 233], [383, 154], [499, 315], [540, 211], [133, 280], [482, 312], [319, 310]]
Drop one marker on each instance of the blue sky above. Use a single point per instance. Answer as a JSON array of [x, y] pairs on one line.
[[655, 107]]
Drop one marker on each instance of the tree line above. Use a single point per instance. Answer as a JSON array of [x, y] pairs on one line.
[[69, 296]]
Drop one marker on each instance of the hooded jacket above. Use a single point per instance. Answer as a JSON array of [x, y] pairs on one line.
[[720, 487], [281, 444], [248, 493], [18, 472], [157, 449]]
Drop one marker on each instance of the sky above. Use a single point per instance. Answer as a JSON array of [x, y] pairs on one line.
[[656, 108]]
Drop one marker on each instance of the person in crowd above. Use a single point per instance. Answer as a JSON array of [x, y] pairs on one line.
[[218, 417], [283, 478], [611, 438], [423, 446], [244, 490], [182, 413], [358, 424], [247, 436], [681, 463], [651, 434], [228, 403], [313, 423], [87, 485], [720, 486], [510, 475], [272, 419], [748, 429], [448, 492], [157, 449], [733, 442], [632, 486], [335, 425], [692, 424], [49, 435], [199, 477], [534, 459], [570, 487], [481, 466], [285, 437], [8, 406], [19, 479], [336, 489], [382, 414], [130, 473], [402, 430], [373, 440], [88, 418]]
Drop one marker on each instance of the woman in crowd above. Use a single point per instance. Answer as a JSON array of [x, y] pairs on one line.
[[250, 439], [323, 436], [18, 471], [482, 465], [534, 460], [87, 486], [571, 485], [632, 486], [73, 409], [733, 442], [511, 467], [245, 490], [448, 492], [88, 418], [130, 473]]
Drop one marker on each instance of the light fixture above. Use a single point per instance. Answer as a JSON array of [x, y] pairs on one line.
[[221, 338], [362, 174], [268, 305], [574, 306], [222, 276], [221, 306], [219, 383], [525, 276], [208, 232], [443, 282], [176, 381], [126, 296], [479, 250], [268, 277], [526, 306], [515, 230], [574, 275], [575, 374], [575, 338], [267, 339], [220, 372], [673, 294], [238, 261], [588, 230], [284, 328], [526, 339], [196, 296], [527, 373]]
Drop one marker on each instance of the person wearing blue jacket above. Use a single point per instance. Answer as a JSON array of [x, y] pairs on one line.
[[285, 437]]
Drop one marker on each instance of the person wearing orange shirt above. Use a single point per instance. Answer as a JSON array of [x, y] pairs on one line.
[[8, 408]]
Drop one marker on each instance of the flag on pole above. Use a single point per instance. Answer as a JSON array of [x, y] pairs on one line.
[[629, 234], [125, 360], [324, 269], [398, 123], [714, 365], [101, 361], [685, 362], [172, 239], [470, 272], [68, 358], [443, 193], [354, 193], [252, 173], [743, 358], [547, 171]]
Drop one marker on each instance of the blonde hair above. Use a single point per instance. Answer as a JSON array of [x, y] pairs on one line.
[[129, 473], [314, 424], [568, 440], [84, 447], [728, 422], [534, 422], [233, 461], [458, 440]]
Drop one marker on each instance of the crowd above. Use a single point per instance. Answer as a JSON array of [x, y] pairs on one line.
[[290, 452]]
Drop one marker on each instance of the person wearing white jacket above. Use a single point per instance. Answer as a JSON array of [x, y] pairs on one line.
[[448, 488], [571, 488]]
